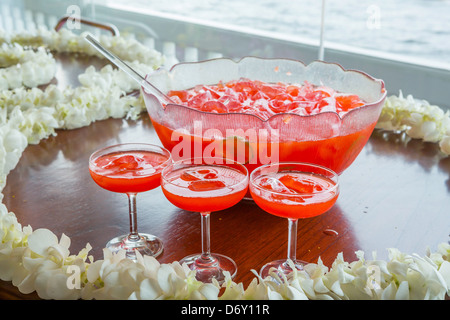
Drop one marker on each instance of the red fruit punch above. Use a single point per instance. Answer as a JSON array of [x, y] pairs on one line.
[[128, 172]]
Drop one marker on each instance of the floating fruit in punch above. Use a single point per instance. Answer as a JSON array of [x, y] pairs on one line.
[[266, 99]]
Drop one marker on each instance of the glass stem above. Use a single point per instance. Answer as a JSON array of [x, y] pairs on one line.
[[134, 235], [292, 239], [206, 243]]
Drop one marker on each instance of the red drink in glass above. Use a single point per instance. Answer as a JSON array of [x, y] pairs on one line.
[[131, 168], [128, 171], [294, 191], [205, 186], [205, 189], [294, 195]]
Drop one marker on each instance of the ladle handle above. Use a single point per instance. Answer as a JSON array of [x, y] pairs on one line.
[[128, 70], [108, 27]]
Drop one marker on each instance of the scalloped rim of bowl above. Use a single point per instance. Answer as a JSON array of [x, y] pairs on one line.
[[170, 72]]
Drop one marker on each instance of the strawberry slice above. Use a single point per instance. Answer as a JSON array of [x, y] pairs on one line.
[[347, 102], [206, 185], [123, 163], [214, 106], [189, 176], [183, 95], [300, 185]]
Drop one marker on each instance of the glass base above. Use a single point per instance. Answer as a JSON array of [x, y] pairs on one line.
[[212, 268], [280, 268], [147, 244]]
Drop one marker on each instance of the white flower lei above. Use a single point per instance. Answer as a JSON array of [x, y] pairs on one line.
[[25, 67], [418, 119], [35, 260]]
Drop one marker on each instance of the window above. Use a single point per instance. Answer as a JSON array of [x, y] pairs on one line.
[[418, 29]]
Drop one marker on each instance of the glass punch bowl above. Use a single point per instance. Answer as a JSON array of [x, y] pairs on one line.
[[326, 138]]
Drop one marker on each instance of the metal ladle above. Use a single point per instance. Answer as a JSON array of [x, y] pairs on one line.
[[128, 70]]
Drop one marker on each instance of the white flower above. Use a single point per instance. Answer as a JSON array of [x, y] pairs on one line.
[[402, 277], [12, 144], [12, 245], [417, 118], [23, 66], [45, 266], [117, 277], [64, 40]]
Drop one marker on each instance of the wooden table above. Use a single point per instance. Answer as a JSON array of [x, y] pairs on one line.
[[396, 194]]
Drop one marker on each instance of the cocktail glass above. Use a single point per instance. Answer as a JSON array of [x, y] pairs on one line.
[[131, 168], [205, 185], [292, 190]]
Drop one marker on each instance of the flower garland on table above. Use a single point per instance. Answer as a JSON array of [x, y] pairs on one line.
[[25, 67], [102, 94], [418, 119], [36, 260], [128, 48]]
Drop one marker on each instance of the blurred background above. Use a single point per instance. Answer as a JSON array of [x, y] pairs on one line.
[[406, 42]]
